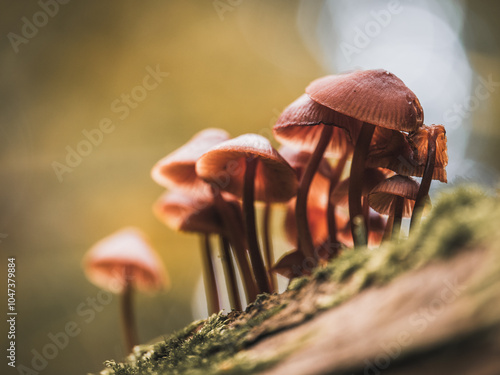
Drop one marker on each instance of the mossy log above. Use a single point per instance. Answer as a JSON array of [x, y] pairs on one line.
[[427, 305]]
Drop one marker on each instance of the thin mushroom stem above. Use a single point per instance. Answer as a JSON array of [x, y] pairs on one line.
[[230, 274], [334, 180], [425, 184], [356, 181], [209, 280], [268, 246], [398, 204], [305, 240], [128, 320], [249, 219], [236, 236], [388, 228]]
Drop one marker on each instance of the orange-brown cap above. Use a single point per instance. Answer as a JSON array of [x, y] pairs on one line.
[[371, 178], [419, 140], [377, 97], [125, 256], [190, 213], [177, 170], [224, 166], [301, 123], [384, 194]]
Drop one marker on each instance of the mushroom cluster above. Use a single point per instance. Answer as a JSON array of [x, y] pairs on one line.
[[350, 147]]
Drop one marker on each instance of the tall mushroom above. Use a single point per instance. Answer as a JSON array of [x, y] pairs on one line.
[[198, 214], [312, 127], [394, 197], [250, 168], [120, 263], [377, 98]]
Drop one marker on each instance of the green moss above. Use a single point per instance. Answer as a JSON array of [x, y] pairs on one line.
[[201, 351], [462, 218], [298, 283]]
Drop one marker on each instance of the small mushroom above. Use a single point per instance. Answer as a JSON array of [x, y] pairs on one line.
[[120, 263], [250, 168], [377, 98], [431, 150], [177, 171], [198, 214], [315, 128], [394, 197]]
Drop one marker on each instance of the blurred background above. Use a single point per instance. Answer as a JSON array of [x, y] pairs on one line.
[[233, 64]]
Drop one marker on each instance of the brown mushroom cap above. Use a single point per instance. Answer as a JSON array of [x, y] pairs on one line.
[[372, 177], [301, 123], [420, 144], [377, 97], [125, 255], [224, 165], [190, 213], [177, 170], [383, 195]]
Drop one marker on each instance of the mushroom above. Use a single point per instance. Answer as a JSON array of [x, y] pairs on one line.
[[120, 263], [198, 214], [431, 150], [377, 98], [394, 197], [253, 170], [312, 127], [177, 171]]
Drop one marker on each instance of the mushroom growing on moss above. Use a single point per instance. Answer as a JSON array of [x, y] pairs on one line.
[[121, 263], [249, 167], [377, 98]]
